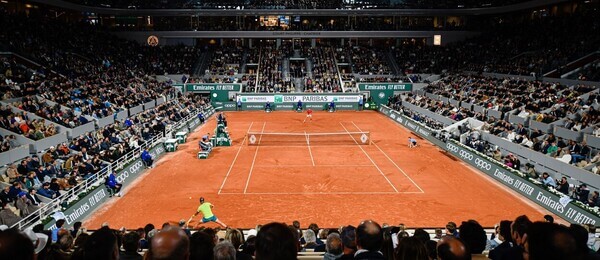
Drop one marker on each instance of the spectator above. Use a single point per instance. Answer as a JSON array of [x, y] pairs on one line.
[[519, 232], [563, 186], [547, 180], [59, 227], [594, 201], [276, 241], [311, 240], [16, 245], [170, 243], [410, 248], [474, 238], [451, 229], [101, 245], [369, 239], [348, 236], [333, 247], [130, 247], [33, 197], [224, 251], [551, 241], [581, 193], [505, 247], [201, 245], [236, 237], [76, 229], [452, 248], [7, 216], [46, 191]]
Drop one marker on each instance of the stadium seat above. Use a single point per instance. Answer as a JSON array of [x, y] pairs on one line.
[[203, 154], [565, 158]]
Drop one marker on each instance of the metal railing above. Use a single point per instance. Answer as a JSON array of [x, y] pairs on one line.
[[71, 195]]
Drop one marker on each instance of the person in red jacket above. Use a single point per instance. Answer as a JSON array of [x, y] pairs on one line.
[[308, 115]]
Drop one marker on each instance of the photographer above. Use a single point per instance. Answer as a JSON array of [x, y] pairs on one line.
[[581, 193], [563, 186]]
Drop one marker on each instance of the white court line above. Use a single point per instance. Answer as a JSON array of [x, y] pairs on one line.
[[312, 145], [254, 160], [309, 150], [400, 169], [234, 159], [308, 165], [323, 193], [365, 152]]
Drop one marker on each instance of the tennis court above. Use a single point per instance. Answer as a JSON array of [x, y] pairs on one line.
[[339, 169]]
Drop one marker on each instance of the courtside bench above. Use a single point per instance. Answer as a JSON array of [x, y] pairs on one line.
[[171, 145], [181, 137], [203, 154]]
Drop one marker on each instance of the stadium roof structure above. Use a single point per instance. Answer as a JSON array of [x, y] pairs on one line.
[[241, 11]]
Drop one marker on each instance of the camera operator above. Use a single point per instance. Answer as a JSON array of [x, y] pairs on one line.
[[581, 193]]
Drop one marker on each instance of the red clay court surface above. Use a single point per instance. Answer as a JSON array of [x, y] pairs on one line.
[[328, 184]]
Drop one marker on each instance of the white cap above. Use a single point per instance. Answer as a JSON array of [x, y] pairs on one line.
[[39, 240]]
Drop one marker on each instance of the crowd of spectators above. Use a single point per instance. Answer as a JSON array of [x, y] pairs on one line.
[[324, 71], [270, 76], [8, 142], [20, 123], [369, 61], [439, 107], [528, 47], [226, 61], [521, 238], [571, 108], [53, 113], [88, 69], [292, 4], [60, 168]]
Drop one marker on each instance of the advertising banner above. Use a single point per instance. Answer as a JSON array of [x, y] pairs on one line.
[[99, 195], [545, 198]]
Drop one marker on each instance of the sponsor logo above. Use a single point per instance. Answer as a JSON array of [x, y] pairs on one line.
[[393, 116], [465, 155], [229, 105], [423, 132], [452, 148], [132, 169], [278, 98], [549, 202], [381, 95], [484, 165]]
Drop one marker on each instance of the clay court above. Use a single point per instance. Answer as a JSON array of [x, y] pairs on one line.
[[331, 180]]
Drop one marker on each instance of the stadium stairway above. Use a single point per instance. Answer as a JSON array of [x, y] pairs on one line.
[[393, 65], [202, 64]]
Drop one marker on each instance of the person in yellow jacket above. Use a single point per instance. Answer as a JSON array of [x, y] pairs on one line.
[[207, 215]]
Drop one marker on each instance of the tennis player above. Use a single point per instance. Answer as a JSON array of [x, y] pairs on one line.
[[308, 115], [207, 214], [412, 142]]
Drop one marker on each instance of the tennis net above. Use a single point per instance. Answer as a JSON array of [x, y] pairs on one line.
[[305, 139]]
